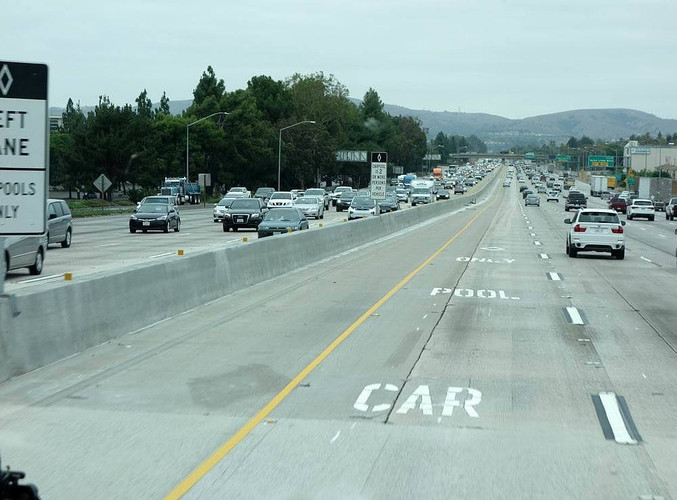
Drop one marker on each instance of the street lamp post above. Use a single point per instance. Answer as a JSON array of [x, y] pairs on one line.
[[279, 148], [188, 137]]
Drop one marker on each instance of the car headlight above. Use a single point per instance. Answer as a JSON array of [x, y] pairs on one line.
[[133, 217], [162, 217]]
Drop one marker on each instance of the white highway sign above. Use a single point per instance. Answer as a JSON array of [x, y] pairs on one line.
[[379, 175], [23, 148]]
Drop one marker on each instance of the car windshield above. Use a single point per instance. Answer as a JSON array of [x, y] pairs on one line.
[[160, 200], [226, 202], [306, 200], [245, 203], [363, 202], [421, 191], [600, 217], [153, 208], [315, 192], [282, 215], [281, 196]]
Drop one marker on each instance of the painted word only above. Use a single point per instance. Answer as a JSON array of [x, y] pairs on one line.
[[420, 400], [467, 293], [488, 261]]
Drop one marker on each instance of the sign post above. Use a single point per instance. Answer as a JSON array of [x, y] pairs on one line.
[[379, 175], [23, 150]]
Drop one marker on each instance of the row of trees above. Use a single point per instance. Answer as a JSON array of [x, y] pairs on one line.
[[141, 145]]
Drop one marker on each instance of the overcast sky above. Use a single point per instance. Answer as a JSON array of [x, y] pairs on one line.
[[514, 58]]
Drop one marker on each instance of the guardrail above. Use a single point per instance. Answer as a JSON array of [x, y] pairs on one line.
[[38, 328]]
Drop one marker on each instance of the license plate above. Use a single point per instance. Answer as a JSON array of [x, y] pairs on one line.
[[239, 219], [597, 230], [146, 223]]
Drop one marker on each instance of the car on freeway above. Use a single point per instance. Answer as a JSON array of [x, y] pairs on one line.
[[532, 199], [402, 194], [338, 192], [59, 223], [422, 195], [671, 208], [618, 204], [575, 200], [221, 207], [389, 204], [542, 189], [443, 194], [343, 203], [310, 206], [506, 184], [459, 188], [641, 208], [326, 199], [553, 196], [361, 207], [264, 193], [25, 251], [280, 199], [155, 217], [282, 220], [244, 213], [526, 193], [596, 230], [240, 192]]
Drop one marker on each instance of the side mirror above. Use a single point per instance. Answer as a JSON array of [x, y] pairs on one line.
[[567, 221], [623, 224]]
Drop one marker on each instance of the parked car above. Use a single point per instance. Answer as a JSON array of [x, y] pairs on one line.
[[310, 206], [618, 204], [155, 217], [280, 220], [641, 208], [596, 230], [244, 213], [25, 251], [59, 223]]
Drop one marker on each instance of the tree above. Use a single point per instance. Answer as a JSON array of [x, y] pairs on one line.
[[144, 106], [207, 95], [164, 104], [273, 99]]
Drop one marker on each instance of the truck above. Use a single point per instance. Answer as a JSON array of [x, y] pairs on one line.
[[422, 192], [569, 182], [656, 189], [597, 185], [437, 173], [182, 189]]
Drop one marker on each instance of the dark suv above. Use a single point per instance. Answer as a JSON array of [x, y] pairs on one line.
[[575, 200], [244, 212]]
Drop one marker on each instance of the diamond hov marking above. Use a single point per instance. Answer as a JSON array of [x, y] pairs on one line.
[[5, 79], [484, 260]]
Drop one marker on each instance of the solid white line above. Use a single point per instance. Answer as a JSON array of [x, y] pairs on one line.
[[43, 278], [613, 414], [107, 245], [575, 316], [644, 258], [335, 437], [161, 255]]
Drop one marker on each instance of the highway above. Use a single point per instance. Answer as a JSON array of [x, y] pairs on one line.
[[469, 357]]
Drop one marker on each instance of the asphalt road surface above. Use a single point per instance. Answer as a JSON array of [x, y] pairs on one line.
[[466, 358]]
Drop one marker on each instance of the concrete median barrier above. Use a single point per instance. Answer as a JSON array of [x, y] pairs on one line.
[[68, 317]]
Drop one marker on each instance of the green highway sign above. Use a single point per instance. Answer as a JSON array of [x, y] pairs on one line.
[[563, 157], [530, 156], [600, 161]]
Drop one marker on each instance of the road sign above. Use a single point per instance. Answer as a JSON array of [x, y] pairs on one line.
[[563, 157], [23, 148], [600, 161], [640, 151], [102, 183], [379, 175], [530, 156], [354, 156]]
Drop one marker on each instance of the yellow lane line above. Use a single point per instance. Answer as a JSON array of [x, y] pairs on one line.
[[202, 469]]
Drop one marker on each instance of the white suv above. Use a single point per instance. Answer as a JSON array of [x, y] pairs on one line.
[[596, 230], [641, 208], [671, 209]]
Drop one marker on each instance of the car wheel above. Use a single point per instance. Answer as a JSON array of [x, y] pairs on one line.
[[629, 217], [652, 218], [573, 252], [166, 228], [234, 228], [620, 254], [144, 230], [178, 226], [67, 240], [39, 260], [225, 228], [131, 230]]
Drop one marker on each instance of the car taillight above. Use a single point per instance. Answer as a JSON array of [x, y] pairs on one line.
[[617, 230], [579, 229]]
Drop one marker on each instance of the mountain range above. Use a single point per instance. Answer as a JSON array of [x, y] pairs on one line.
[[501, 133]]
